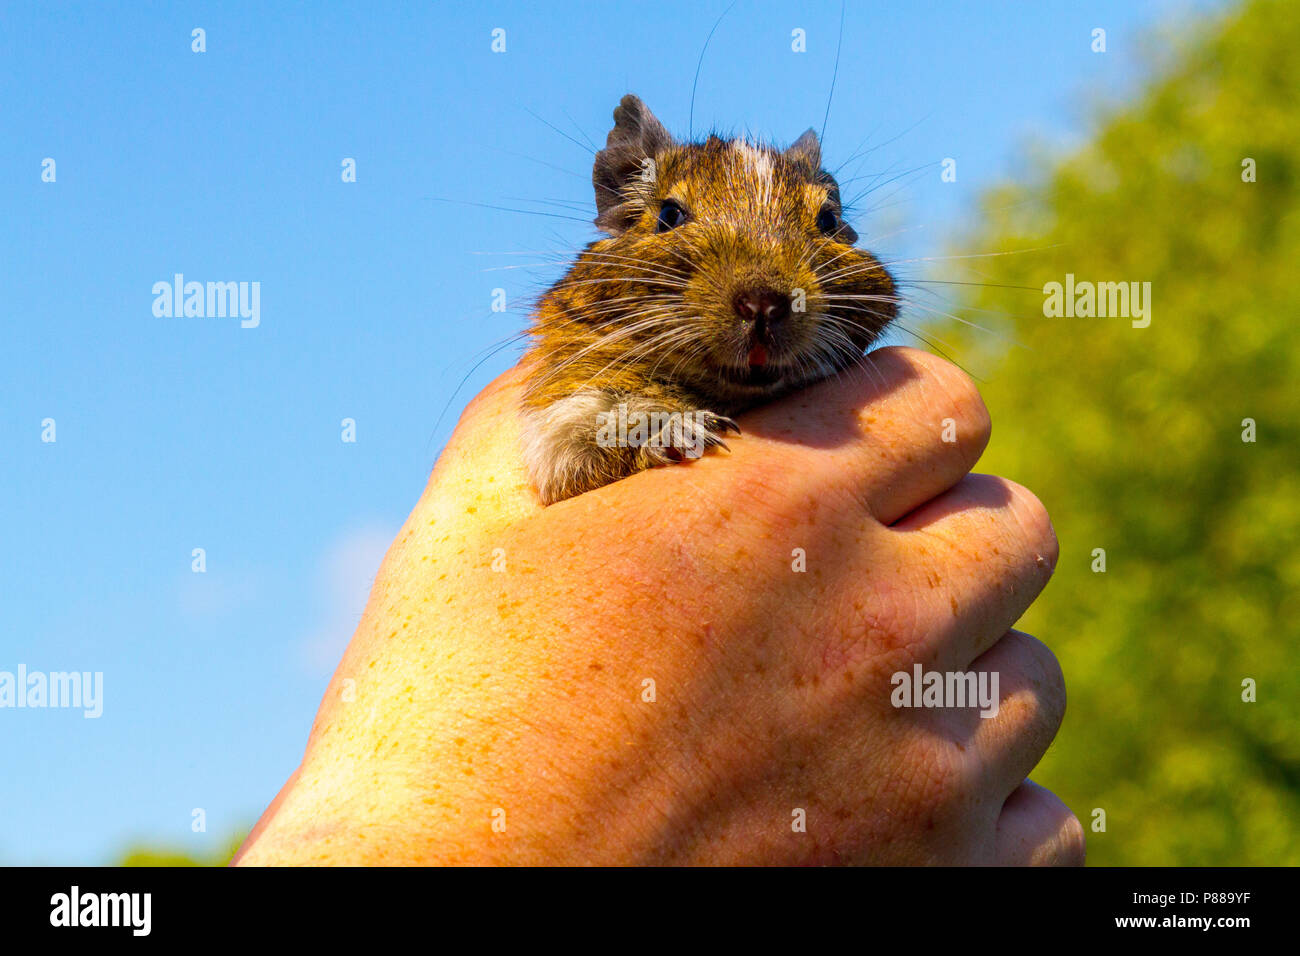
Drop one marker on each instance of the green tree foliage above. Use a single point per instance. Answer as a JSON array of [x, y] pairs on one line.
[[1133, 438], [150, 855]]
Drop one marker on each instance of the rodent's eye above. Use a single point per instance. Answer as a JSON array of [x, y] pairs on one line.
[[671, 215], [827, 221]]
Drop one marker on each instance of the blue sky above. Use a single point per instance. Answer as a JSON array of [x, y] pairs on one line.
[[183, 433]]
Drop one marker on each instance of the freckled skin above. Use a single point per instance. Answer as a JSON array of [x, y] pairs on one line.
[[649, 315], [491, 712], [772, 687]]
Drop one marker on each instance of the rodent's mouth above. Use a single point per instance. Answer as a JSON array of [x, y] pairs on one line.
[[756, 376], [764, 375], [763, 365]]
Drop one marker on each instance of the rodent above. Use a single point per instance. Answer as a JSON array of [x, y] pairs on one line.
[[729, 277]]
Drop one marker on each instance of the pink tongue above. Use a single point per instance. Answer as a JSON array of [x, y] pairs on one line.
[[757, 356]]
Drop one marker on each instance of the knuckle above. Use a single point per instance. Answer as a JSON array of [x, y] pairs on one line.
[[1045, 683], [1051, 679], [1035, 523], [955, 396], [971, 415], [1073, 843]]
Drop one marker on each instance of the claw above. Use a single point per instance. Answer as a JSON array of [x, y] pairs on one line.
[[724, 424]]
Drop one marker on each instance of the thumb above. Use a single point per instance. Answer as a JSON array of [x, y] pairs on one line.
[[480, 474]]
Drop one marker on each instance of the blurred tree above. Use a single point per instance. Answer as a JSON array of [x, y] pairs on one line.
[[1133, 438], [144, 855]]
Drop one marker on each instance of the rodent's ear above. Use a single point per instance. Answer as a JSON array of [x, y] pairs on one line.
[[624, 170], [806, 151]]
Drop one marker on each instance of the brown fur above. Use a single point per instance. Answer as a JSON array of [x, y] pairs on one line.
[[649, 317]]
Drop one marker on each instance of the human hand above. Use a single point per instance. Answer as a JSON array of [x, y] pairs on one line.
[[643, 674]]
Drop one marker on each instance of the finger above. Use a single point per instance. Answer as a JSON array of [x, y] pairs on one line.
[[1008, 738], [1037, 829], [900, 429], [985, 549]]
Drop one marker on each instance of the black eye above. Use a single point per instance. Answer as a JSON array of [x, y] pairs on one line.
[[671, 215], [827, 221]]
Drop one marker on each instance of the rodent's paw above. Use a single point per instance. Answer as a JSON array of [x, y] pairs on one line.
[[688, 435], [588, 439]]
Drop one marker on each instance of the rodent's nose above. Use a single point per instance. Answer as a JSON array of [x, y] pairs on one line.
[[754, 304]]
